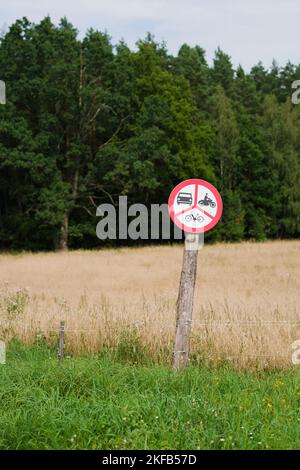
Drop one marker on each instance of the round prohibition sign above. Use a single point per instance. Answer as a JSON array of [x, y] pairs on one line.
[[195, 206]]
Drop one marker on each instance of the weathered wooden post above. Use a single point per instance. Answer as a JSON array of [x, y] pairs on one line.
[[61, 343], [195, 206], [185, 299]]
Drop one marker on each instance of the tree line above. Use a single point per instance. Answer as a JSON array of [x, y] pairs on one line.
[[86, 121]]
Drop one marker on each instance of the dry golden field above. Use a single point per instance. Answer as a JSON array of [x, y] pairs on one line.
[[246, 304]]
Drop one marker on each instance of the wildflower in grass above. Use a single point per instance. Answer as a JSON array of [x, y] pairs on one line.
[[279, 383]]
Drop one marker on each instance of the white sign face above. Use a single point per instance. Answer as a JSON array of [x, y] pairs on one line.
[[195, 206]]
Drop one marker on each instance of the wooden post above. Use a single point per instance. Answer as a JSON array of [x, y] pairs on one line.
[[61, 343], [185, 299]]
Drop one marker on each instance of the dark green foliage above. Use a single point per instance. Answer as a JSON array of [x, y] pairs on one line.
[[86, 122]]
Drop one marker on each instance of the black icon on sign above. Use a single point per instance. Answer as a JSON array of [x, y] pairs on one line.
[[184, 198], [207, 201], [195, 218]]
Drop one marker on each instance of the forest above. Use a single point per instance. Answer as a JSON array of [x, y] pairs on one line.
[[86, 121]]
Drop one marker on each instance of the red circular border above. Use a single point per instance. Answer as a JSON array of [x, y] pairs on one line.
[[175, 218]]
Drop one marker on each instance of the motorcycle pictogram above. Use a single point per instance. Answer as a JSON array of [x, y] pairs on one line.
[[207, 201]]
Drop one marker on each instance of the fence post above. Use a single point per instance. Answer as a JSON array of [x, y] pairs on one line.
[[61, 343], [185, 299]]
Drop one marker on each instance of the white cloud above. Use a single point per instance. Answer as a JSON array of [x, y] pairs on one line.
[[249, 30]]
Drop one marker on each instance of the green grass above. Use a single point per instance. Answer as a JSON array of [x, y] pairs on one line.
[[105, 403]]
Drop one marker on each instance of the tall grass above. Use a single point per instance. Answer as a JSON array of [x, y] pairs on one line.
[[246, 304], [100, 402]]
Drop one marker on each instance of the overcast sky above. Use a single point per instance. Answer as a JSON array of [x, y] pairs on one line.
[[248, 30]]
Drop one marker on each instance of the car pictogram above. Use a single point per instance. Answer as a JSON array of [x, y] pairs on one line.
[[184, 198]]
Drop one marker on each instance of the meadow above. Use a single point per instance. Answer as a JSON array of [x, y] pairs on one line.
[[115, 388], [246, 309], [102, 402]]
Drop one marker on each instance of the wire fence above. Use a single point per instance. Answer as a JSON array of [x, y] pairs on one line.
[[63, 330], [198, 322]]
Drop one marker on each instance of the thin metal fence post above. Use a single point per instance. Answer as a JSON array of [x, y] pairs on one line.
[[61, 343]]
